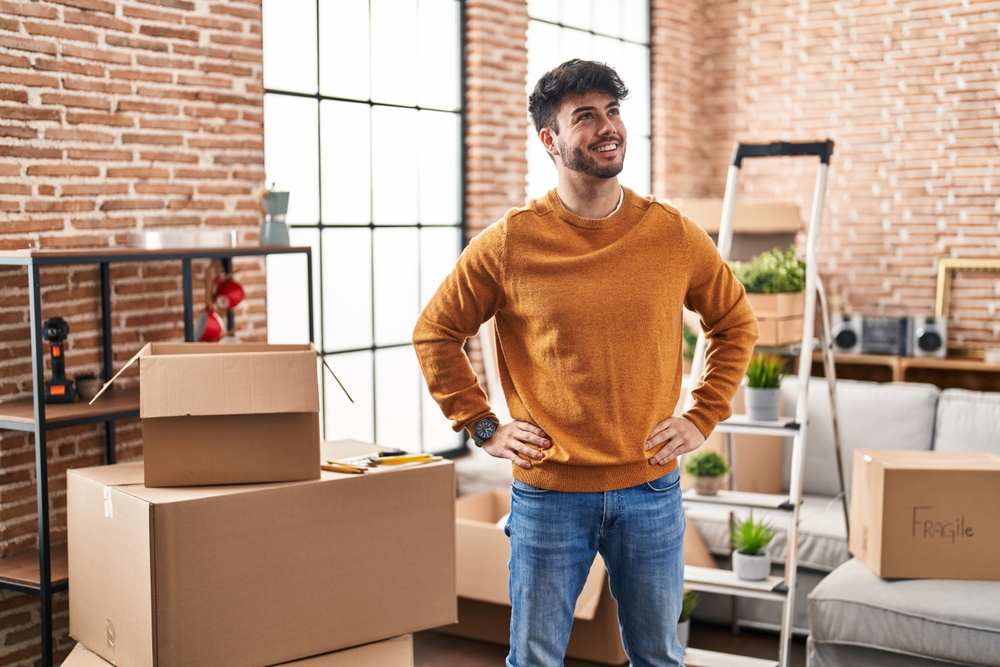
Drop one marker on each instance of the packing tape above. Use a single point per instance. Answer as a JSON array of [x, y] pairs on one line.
[[109, 512], [111, 634]]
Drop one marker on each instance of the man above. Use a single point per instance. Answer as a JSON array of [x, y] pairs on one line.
[[587, 286]]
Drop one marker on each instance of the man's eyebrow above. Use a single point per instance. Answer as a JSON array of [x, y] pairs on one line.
[[613, 103]]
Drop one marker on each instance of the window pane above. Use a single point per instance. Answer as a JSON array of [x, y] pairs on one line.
[[635, 175], [394, 165], [543, 50], [635, 73], [439, 164], [544, 9], [347, 290], [608, 17], [576, 44], [343, 49], [396, 288], [439, 248], [438, 57], [394, 51], [397, 398], [576, 14], [437, 431], [291, 158], [345, 133], [636, 20], [342, 418], [289, 28], [287, 295], [542, 175]]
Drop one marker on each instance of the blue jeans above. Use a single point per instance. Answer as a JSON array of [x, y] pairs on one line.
[[554, 538]]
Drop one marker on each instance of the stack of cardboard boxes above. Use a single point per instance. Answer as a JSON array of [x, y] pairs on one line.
[[229, 547]]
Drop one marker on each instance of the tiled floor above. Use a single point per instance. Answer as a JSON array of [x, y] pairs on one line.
[[434, 650]]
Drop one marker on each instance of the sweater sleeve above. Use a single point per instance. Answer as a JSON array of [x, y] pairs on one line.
[[730, 328], [470, 295]]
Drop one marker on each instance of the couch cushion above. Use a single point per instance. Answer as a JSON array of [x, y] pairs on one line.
[[926, 618], [968, 421], [822, 531], [873, 415]]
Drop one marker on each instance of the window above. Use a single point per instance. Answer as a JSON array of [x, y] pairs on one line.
[[362, 125], [615, 32]]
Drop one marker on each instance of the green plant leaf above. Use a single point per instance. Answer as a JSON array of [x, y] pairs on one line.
[[752, 537], [772, 272], [706, 464], [765, 371]]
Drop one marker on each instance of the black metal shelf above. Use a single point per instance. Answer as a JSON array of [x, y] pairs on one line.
[[44, 571]]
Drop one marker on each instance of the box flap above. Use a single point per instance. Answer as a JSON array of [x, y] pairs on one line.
[[144, 351], [396, 652], [111, 606], [234, 380], [749, 218], [931, 460]]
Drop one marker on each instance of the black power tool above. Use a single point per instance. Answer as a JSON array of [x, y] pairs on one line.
[[58, 389]]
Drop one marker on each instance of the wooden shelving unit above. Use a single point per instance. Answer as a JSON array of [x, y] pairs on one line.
[[44, 570], [947, 373]]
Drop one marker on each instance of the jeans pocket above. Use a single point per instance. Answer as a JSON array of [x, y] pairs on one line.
[[668, 482], [528, 489]]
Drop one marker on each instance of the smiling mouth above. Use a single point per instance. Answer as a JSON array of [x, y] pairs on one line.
[[606, 148]]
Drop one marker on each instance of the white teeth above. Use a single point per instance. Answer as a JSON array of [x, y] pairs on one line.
[[605, 149]]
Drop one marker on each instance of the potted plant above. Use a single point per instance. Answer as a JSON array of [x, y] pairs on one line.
[[87, 385], [763, 394], [684, 623], [707, 468], [751, 560], [775, 283]]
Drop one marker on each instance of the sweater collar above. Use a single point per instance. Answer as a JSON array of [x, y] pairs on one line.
[[551, 201]]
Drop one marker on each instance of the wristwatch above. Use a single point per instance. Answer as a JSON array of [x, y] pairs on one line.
[[485, 429]]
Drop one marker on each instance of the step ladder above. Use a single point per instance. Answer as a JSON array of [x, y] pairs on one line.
[[779, 589]]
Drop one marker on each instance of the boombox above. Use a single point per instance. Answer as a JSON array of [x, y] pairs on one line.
[[919, 336]]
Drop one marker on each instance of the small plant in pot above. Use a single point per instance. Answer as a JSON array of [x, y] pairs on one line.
[[87, 385], [751, 560], [763, 396], [707, 468], [684, 622]]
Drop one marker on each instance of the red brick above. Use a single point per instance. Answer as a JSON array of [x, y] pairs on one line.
[[103, 222], [88, 154], [95, 54], [14, 189], [168, 124], [171, 221], [224, 69], [245, 56], [214, 23], [11, 25], [63, 170], [14, 95], [63, 66], [97, 85], [211, 112], [236, 40], [138, 75], [35, 45], [10, 206], [159, 61], [100, 119], [158, 139], [85, 18], [137, 43], [10, 169], [200, 173], [163, 189], [202, 205], [39, 206], [137, 172], [46, 190], [19, 132], [166, 156], [169, 33], [175, 4], [210, 81], [29, 9], [14, 61], [30, 152], [94, 5], [29, 80], [131, 204], [232, 10], [224, 190], [60, 32], [76, 101], [148, 107], [154, 14], [167, 93], [95, 189]]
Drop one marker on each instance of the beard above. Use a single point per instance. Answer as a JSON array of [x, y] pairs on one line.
[[578, 160]]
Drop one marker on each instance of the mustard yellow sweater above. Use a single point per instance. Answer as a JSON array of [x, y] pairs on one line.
[[589, 334]]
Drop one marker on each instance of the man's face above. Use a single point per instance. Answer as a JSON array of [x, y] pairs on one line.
[[591, 137]]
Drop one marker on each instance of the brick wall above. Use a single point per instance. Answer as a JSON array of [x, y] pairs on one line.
[[114, 117], [907, 89]]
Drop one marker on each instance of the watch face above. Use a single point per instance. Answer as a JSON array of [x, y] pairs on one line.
[[485, 429]]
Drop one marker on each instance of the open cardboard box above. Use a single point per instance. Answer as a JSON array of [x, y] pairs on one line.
[[257, 575], [926, 515], [227, 414], [483, 550], [395, 652]]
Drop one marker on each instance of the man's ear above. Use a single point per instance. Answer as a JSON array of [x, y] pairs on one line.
[[548, 138]]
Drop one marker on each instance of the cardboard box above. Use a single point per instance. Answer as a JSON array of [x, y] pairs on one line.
[[926, 515], [395, 652], [779, 317], [228, 414], [255, 575], [481, 582]]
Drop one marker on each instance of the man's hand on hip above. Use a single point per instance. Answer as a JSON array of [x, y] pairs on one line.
[[677, 436], [518, 441]]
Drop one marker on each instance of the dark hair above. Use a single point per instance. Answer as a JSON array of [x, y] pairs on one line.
[[573, 77]]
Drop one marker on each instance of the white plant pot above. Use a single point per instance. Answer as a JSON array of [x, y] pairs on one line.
[[707, 486], [683, 632], [751, 568], [763, 404]]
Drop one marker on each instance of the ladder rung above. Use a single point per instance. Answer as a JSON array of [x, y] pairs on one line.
[[696, 657], [786, 426], [712, 580], [740, 499]]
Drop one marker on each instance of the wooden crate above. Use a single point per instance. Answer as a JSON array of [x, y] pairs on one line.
[[779, 317]]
